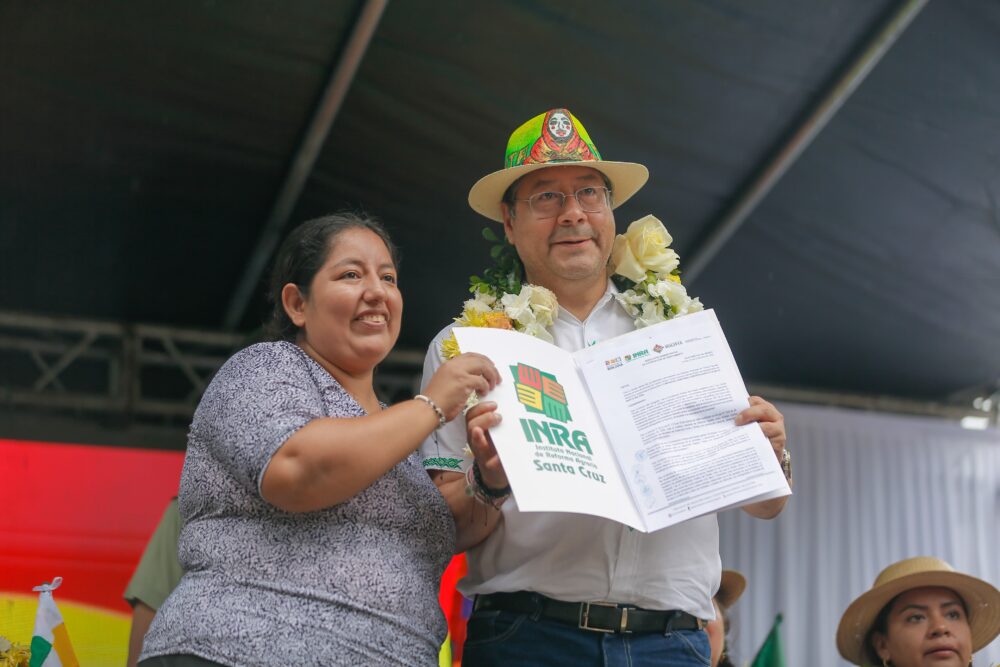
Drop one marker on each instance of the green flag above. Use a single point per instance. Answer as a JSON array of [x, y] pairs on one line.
[[771, 654]]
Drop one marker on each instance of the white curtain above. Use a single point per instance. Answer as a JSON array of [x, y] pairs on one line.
[[870, 489]]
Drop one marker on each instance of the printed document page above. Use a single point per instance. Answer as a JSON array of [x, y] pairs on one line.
[[669, 395], [551, 441]]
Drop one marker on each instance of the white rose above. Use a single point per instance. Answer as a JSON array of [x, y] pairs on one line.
[[538, 331], [544, 304], [689, 306], [630, 301], [643, 247], [518, 306], [652, 313]]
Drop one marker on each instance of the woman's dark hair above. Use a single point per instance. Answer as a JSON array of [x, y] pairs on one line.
[[302, 255]]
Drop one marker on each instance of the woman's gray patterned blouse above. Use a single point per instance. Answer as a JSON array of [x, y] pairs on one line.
[[355, 584]]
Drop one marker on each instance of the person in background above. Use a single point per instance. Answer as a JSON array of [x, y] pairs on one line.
[[311, 534], [920, 612], [730, 589], [154, 578]]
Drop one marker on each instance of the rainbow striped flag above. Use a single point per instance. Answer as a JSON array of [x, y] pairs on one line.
[[50, 645]]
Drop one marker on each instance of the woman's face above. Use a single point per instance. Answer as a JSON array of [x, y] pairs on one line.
[[351, 317], [926, 627]]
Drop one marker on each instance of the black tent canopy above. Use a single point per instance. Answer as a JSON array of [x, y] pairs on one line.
[[150, 155]]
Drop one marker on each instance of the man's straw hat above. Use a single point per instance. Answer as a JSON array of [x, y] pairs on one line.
[[552, 139]]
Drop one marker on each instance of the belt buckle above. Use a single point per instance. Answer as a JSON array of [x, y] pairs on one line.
[[584, 621]]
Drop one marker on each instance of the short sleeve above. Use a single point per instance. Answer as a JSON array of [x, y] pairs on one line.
[[158, 571], [444, 449], [259, 399]]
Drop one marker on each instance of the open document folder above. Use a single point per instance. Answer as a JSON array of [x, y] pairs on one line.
[[639, 428]]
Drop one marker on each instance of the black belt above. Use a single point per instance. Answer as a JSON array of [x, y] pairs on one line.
[[595, 616]]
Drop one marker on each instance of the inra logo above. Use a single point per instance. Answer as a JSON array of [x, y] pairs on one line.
[[540, 392]]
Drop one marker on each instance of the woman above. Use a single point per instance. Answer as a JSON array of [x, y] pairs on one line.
[[312, 535], [730, 589], [920, 611]]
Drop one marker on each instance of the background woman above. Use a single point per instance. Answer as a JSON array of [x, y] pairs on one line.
[[920, 612], [730, 589], [312, 535]]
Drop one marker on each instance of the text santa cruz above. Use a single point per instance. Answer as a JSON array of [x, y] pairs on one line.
[[557, 434]]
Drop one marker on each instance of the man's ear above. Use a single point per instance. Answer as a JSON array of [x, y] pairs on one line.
[[294, 304], [508, 221]]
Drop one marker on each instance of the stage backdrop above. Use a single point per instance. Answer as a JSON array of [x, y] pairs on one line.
[[85, 513], [870, 489]]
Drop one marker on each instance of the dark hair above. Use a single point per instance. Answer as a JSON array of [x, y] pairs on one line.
[[302, 255], [881, 624]]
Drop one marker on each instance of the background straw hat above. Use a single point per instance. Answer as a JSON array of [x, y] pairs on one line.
[[981, 599], [484, 197], [731, 588]]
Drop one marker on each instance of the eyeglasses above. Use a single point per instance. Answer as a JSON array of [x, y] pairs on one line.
[[548, 204]]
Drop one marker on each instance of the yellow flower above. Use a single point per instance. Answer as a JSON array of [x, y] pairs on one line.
[[449, 348], [472, 318], [14, 655], [675, 278], [643, 247]]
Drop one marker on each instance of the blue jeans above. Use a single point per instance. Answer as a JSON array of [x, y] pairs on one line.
[[501, 639]]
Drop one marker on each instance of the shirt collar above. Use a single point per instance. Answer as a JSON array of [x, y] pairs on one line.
[[609, 297]]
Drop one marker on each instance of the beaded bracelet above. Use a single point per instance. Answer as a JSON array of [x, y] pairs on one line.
[[476, 488], [441, 420]]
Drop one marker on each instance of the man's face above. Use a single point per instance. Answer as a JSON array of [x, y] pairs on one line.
[[573, 245], [560, 125]]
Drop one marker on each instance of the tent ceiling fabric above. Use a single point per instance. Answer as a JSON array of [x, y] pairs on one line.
[[142, 146]]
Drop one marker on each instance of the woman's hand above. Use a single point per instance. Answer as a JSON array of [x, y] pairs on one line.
[[478, 421], [451, 385]]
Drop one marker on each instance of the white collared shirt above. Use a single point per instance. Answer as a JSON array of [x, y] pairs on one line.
[[577, 557]]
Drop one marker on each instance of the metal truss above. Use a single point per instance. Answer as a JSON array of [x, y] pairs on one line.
[[92, 366], [144, 372], [64, 364]]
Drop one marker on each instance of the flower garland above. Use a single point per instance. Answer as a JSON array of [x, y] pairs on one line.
[[643, 267], [14, 655], [646, 270]]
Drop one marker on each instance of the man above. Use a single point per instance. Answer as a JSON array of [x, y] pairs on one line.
[[156, 575], [556, 588]]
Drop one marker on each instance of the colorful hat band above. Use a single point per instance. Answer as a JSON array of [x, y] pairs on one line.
[[554, 136]]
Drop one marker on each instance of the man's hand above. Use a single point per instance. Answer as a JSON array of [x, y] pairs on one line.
[[478, 421], [772, 423]]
